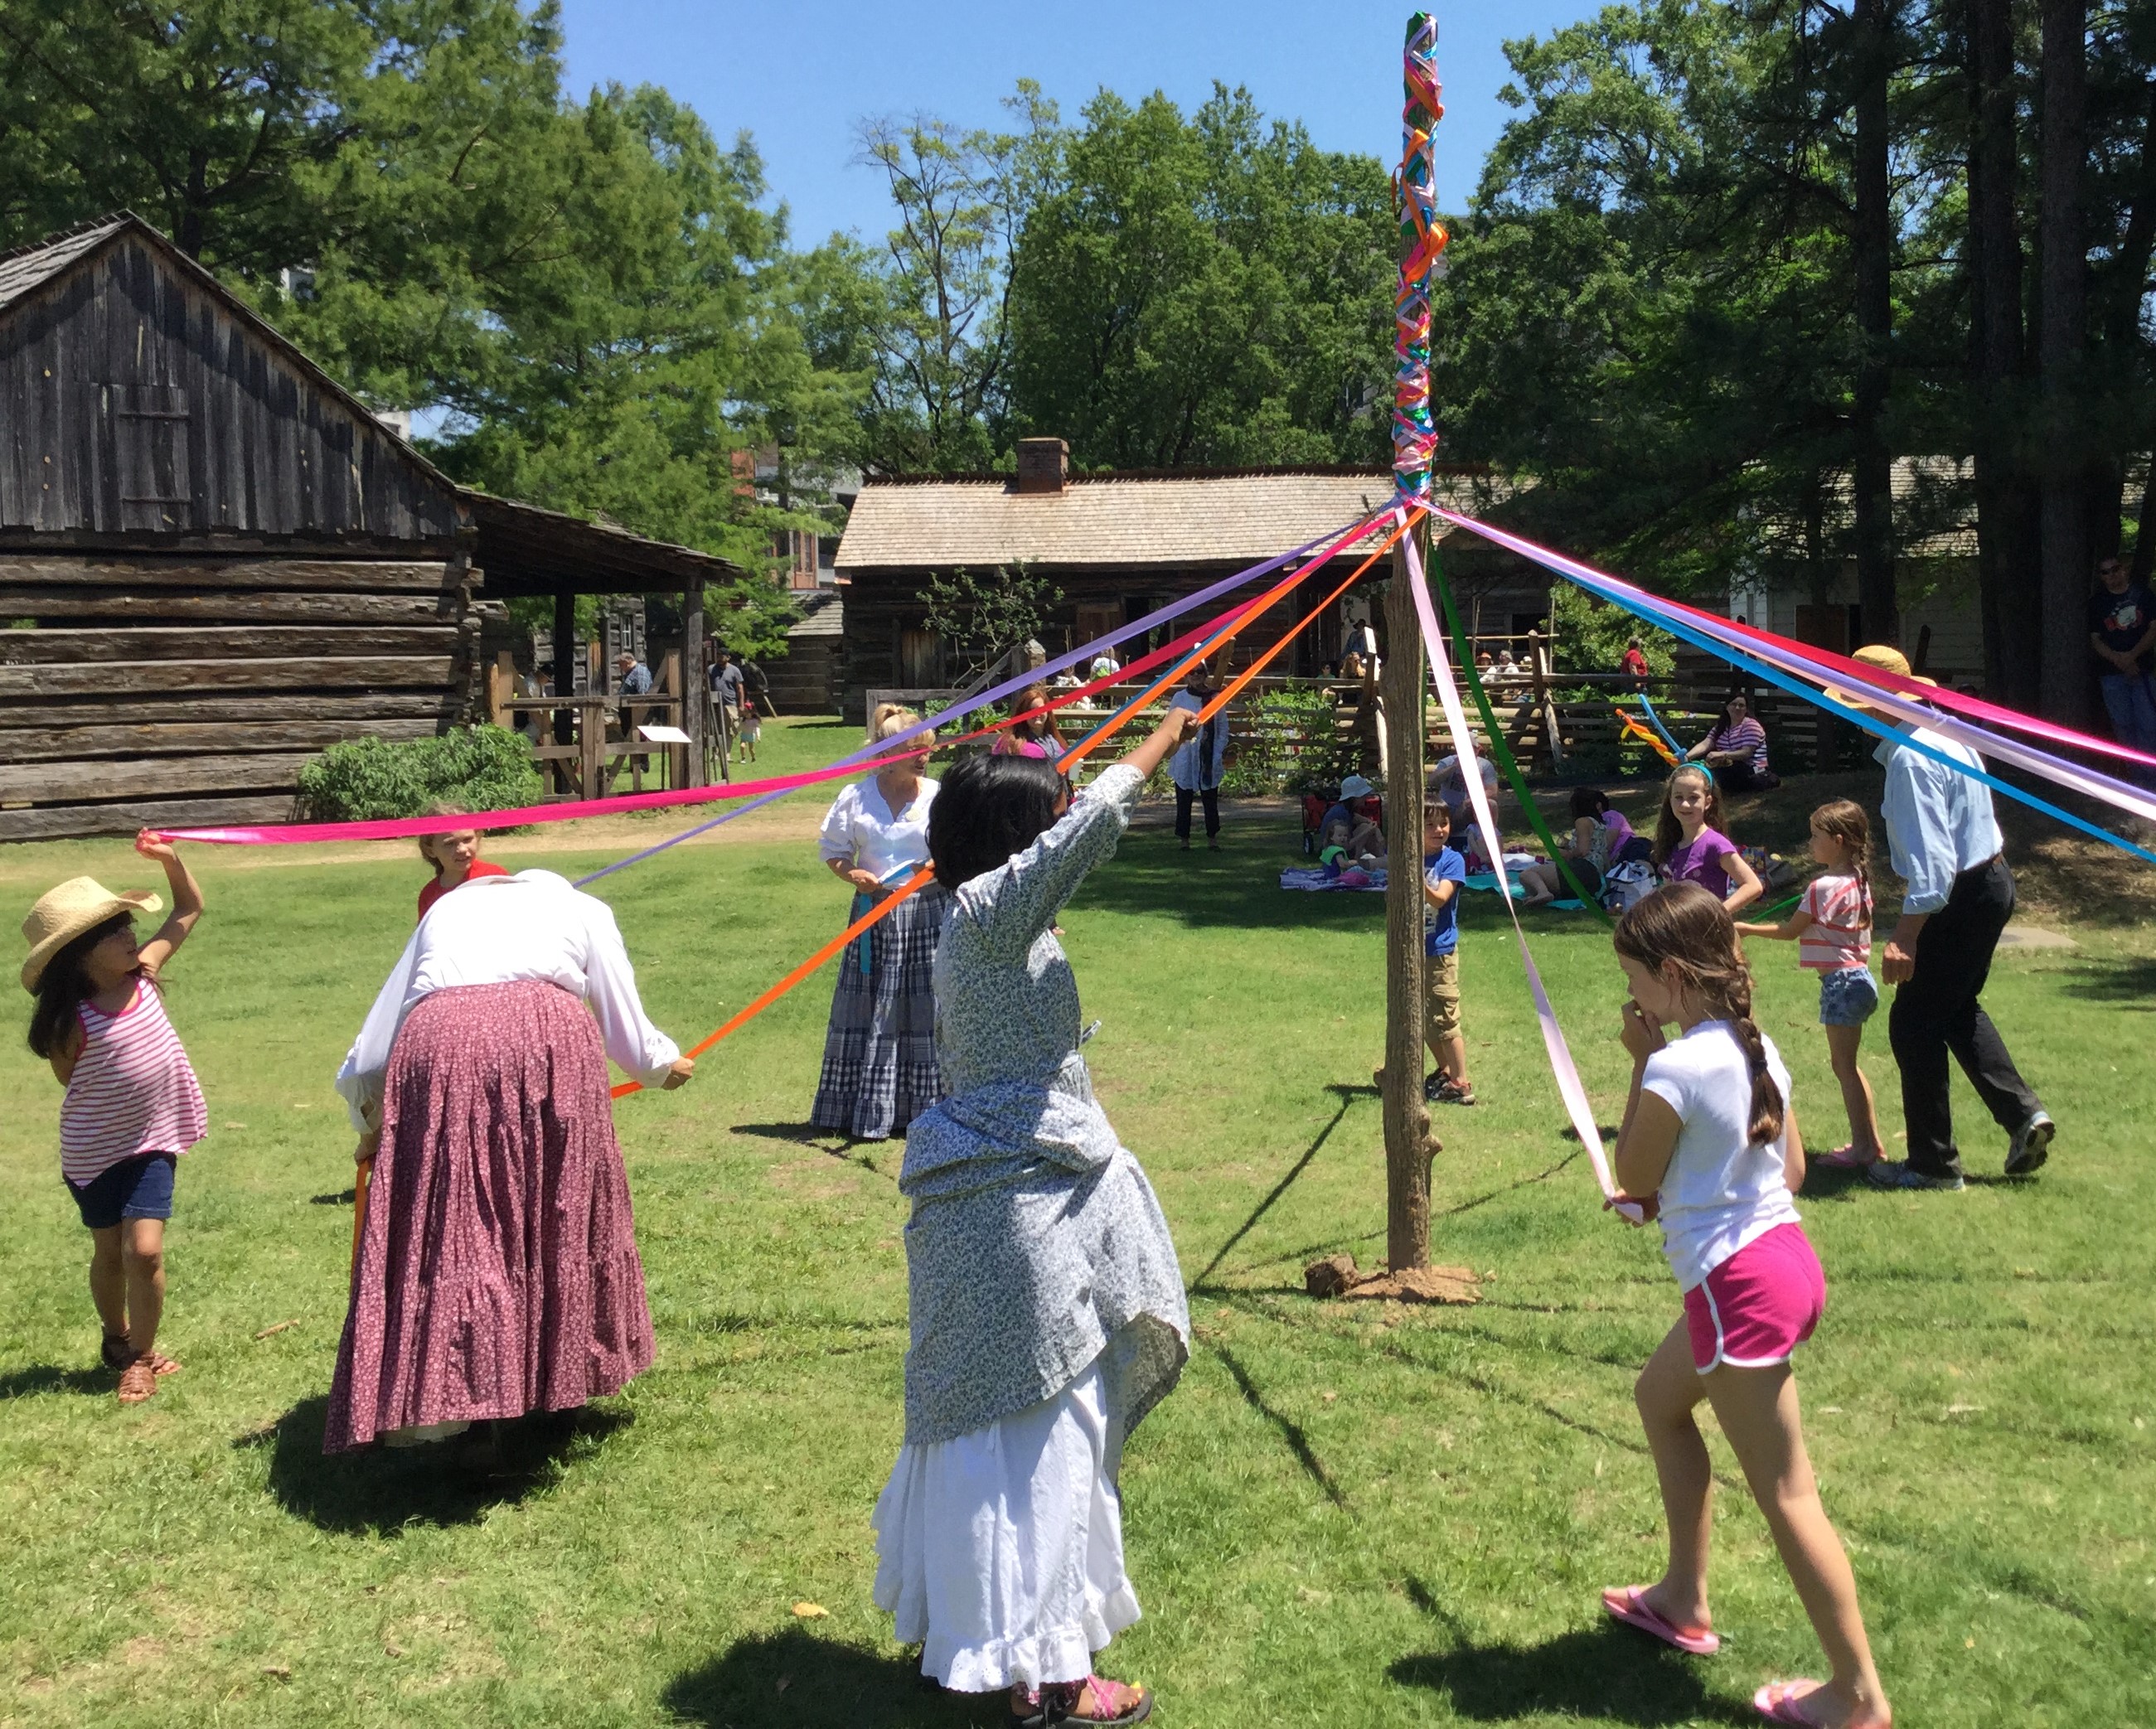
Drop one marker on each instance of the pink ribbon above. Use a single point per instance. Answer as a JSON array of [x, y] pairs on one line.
[[412, 828], [1569, 1086]]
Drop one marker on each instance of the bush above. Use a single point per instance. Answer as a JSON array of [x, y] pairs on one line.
[[369, 779], [1591, 634], [1294, 747]]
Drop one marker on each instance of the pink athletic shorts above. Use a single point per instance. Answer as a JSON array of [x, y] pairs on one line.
[[1758, 1306]]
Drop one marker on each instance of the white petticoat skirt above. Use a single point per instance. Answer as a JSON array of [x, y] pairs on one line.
[[1001, 1552]]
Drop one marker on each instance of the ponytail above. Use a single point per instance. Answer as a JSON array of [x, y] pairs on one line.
[[1683, 926], [1764, 1125], [1844, 820]]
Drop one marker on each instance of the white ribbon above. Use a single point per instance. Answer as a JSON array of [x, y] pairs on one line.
[[1561, 1066]]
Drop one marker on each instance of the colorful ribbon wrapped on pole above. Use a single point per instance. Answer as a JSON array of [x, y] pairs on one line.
[[1423, 237]]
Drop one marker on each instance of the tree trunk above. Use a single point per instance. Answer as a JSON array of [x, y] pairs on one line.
[[2006, 576], [2063, 332], [1874, 259], [1407, 1117]]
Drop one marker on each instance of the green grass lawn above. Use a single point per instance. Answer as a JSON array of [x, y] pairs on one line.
[[1347, 1514]]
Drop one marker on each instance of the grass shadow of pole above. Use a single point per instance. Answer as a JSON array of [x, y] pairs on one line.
[[1347, 1095]]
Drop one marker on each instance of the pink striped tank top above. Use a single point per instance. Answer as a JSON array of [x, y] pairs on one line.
[[132, 1091]]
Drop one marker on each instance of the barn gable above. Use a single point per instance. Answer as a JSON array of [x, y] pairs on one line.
[[141, 403]]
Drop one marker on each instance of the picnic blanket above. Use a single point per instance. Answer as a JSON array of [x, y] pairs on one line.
[[1317, 879]]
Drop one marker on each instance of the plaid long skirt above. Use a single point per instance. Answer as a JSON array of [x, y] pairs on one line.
[[879, 1055], [498, 1273]]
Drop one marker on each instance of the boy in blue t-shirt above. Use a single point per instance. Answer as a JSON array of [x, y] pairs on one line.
[[1443, 872]]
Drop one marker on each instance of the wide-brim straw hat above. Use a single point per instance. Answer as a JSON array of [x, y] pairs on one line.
[[80, 904], [1887, 658]]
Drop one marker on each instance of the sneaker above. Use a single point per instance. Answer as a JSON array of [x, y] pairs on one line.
[[1451, 1092], [1433, 1085], [2031, 1144], [1900, 1173]]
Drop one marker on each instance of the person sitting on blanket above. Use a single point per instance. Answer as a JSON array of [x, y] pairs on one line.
[[1348, 829], [1599, 834]]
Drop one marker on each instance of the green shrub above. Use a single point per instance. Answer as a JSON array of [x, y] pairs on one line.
[[1294, 746], [368, 779]]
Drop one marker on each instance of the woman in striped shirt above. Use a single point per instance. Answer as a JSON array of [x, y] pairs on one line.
[[1737, 750], [132, 1104]]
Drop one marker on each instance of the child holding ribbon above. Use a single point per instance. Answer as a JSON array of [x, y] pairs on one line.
[[1710, 1143], [1832, 929], [133, 1106]]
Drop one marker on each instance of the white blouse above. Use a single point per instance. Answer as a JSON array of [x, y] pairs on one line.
[[868, 834], [496, 930]]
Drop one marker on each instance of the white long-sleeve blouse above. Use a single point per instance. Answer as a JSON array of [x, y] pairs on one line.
[[496, 930]]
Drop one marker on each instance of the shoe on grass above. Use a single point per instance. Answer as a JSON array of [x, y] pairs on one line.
[[1453, 1092], [2031, 1144], [1900, 1173]]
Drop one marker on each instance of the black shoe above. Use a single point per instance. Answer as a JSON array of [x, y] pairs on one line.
[[1433, 1087]]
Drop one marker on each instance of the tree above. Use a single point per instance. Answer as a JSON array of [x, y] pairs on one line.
[[985, 617], [937, 394], [1214, 290], [2062, 333]]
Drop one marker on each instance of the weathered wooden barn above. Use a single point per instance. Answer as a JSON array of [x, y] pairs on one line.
[[1119, 546], [213, 560]]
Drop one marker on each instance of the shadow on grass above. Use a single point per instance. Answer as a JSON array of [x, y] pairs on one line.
[[1291, 1432], [793, 1677], [1347, 1095], [342, 1198], [51, 1377], [804, 1132], [1607, 1673], [381, 1489], [2131, 983]]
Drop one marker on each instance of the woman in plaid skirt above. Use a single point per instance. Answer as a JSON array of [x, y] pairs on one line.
[[880, 1054]]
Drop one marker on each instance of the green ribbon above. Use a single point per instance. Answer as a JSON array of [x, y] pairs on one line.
[[1499, 749]]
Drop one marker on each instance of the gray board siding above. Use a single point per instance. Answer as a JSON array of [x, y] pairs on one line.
[[134, 402]]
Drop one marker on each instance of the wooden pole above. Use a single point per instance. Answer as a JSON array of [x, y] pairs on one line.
[[695, 682], [1408, 1146], [565, 680]]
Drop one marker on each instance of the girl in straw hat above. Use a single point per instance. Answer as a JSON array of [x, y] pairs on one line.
[[132, 1105]]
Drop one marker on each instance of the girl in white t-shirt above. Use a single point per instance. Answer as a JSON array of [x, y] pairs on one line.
[[1710, 1145], [1832, 929]]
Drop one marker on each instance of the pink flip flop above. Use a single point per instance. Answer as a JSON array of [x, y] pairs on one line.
[[1776, 1704], [1842, 1158], [1627, 1603]]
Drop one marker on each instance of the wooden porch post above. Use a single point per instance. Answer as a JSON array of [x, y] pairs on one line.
[[1407, 1117], [565, 678], [695, 684]]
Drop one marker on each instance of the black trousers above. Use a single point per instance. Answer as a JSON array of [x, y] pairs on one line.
[[1937, 1011], [1183, 795]]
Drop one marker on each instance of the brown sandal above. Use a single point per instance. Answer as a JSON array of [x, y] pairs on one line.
[[138, 1380], [115, 1352], [160, 1364]]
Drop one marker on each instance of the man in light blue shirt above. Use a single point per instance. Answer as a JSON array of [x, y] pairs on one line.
[[1946, 848]]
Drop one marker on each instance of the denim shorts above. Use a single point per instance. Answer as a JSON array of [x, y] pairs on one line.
[[1849, 998], [140, 1188]]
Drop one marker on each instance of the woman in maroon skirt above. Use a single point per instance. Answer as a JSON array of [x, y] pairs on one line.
[[497, 1272]]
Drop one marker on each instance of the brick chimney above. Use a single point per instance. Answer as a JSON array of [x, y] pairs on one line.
[[1042, 464]]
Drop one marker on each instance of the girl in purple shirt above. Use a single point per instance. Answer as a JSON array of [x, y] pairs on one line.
[[1690, 848]]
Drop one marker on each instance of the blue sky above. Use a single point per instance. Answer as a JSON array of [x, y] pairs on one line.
[[799, 73]]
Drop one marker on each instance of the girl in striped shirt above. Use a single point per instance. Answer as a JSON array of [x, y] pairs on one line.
[[1832, 929], [132, 1104]]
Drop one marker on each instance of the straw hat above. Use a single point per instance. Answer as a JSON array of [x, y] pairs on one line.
[[1887, 658], [80, 904]]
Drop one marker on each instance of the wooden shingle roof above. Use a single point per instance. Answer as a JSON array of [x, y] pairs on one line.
[[1227, 518], [28, 267]]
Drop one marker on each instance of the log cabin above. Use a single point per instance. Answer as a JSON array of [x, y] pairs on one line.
[[1118, 545], [215, 561]]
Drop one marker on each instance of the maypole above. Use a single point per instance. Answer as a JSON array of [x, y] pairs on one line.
[[1408, 1145]]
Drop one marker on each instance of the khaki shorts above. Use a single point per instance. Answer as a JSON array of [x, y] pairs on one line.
[[1441, 997]]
